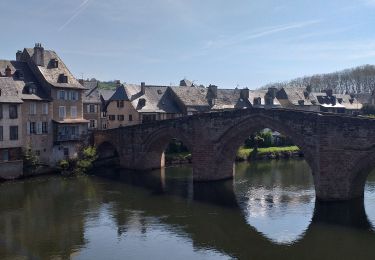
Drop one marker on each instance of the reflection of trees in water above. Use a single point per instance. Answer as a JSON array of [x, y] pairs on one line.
[[40, 218]]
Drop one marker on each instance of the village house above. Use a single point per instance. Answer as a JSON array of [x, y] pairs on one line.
[[68, 127], [10, 126], [92, 105], [264, 98], [304, 99]]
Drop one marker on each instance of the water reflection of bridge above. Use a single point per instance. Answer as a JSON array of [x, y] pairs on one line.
[[208, 213]]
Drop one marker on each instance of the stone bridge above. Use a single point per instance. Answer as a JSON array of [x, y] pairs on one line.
[[339, 149]]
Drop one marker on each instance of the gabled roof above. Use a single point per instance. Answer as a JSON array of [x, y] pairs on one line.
[[156, 99], [21, 83], [120, 94], [51, 75], [106, 94], [341, 101], [253, 94]]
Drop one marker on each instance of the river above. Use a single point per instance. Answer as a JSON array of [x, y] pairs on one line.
[[267, 212]]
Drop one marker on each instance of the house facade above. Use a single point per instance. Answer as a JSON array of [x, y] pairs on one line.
[[10, 128], [92, 105]]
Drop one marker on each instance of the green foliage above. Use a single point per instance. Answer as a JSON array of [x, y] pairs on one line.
[[30, 160], [82, 164], [107, 85], [176, 146]]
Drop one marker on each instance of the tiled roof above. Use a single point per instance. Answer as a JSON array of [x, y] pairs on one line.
[[156, 98], [51, 75], [106, 94], [120, 94], [345, 101], [27, 78]]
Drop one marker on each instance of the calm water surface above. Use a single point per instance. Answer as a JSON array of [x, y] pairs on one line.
[[267, 212]]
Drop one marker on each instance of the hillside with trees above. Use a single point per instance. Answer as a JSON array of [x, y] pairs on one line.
[[355, 80]]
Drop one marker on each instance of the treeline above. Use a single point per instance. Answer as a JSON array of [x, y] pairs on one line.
[[356, 80]]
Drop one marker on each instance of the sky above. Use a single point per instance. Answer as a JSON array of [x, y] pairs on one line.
[[226, 43]]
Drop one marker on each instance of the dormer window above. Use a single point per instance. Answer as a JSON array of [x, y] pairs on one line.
[[30, 88], [62, 78], [257, 101], [301, 102], [54, 63], [159, 92]]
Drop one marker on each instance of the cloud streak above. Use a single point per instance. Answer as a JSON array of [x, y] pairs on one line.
[[76, 12], [246, 36]]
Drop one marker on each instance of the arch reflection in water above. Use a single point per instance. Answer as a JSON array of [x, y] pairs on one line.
[[369, 197], [277, 197]]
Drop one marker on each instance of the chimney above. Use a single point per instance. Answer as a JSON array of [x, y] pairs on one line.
[[8, 71], [38, 56], [18, 55], [272, 92], [308, 89], [143, 88], [257, 101], [244, 93], [213, 90]]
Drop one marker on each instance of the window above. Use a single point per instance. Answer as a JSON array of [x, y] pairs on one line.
[[32, 128], [61, 94], [92, 123], [5, 155], [13, 111], [39, 128], [148, 118], [92, 108], [73, 95], [120, 117], [37, 152], [104, 125], [45, 108], [130, 117], [62, 113], [73, 112], [1, 133], [112, 117], [120, 103], [13, 132], [32, 109], [66, 152], [44, 127]]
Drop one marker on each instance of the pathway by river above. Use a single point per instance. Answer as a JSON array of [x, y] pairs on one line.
[[267, 212]]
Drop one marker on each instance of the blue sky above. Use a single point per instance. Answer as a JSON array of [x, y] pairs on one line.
[[227, 43]]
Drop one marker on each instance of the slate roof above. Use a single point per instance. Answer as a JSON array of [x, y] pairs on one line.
[[193, 98], [9, 91], [261, 94], [120, 94], [365, 98], [230, 99], [157, 99], [295, 94], [51, 75], [20, 83], [323, 100], [106, 94], [91, 94]]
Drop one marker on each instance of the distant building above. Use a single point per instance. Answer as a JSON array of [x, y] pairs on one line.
[[304, 99], [92, 105]]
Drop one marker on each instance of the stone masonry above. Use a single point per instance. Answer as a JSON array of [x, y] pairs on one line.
[[339, 149]]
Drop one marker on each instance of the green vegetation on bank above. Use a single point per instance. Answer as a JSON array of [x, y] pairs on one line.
[[107, 85], [82, 164], [244, 153]]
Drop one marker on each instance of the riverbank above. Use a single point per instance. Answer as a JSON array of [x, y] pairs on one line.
[[243, 154]]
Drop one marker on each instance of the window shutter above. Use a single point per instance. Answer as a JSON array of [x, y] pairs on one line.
[[28, 128], [88, 108], [96, 108], [95, 123], [39, 128]]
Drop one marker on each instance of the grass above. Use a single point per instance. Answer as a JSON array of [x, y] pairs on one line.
[[244, 153]]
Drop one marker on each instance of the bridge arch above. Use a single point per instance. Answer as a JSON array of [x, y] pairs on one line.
[[233, 138], [156, 142], [107, 153], [360, 171]]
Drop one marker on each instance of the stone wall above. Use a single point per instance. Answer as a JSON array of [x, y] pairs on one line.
[[11, 170]]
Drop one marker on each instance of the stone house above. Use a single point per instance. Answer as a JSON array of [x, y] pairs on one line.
[[10, 126], [297, 98], [264, 98], [92, 105], [69, 128]]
